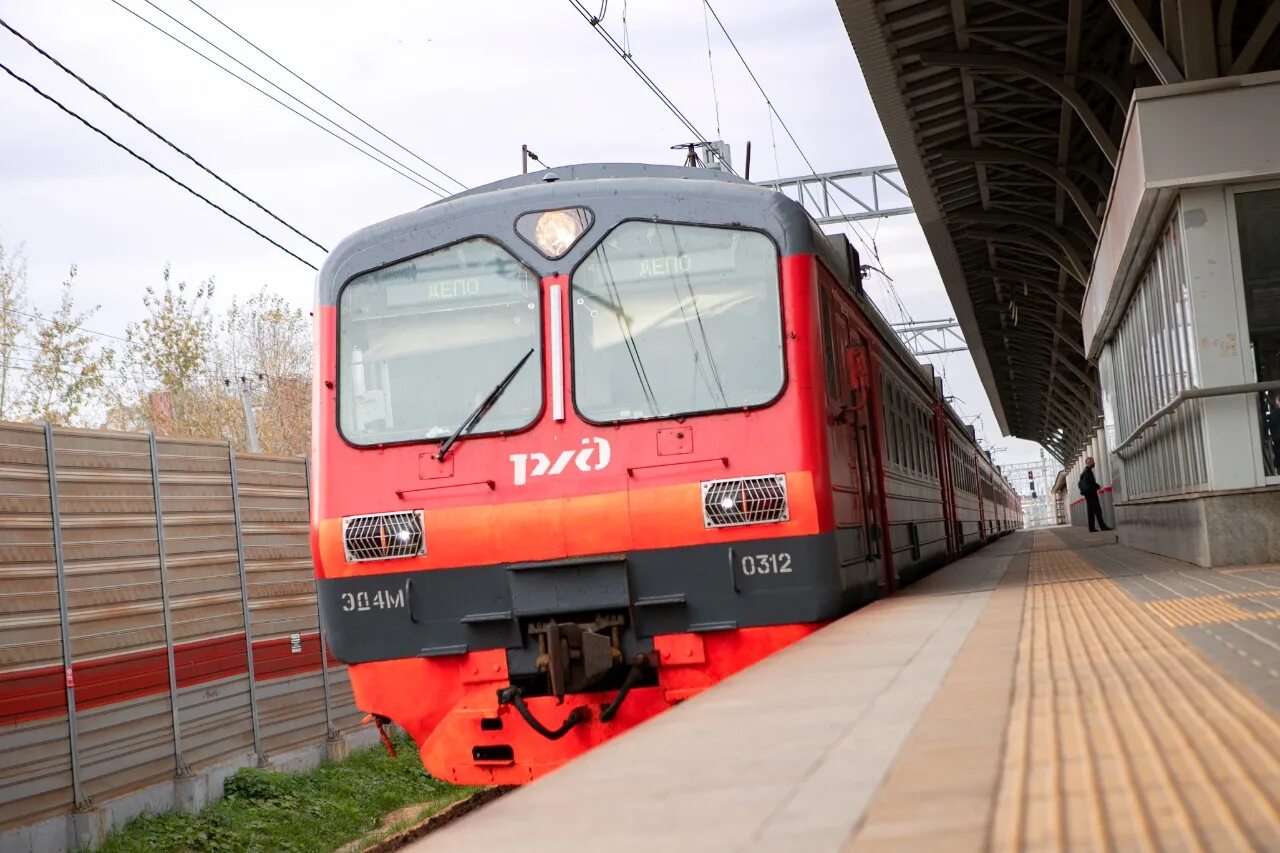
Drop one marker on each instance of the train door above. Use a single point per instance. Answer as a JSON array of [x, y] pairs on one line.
[[982, 503], [858, 369], [946, 478], [849, 495]]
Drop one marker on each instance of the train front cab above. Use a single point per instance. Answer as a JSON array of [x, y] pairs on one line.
[[645, 510]]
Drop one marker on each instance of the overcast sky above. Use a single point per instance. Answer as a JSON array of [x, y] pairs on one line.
[[461, 84]]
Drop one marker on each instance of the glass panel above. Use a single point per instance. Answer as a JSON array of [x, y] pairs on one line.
[[676, 319], [423, 342], [1258, 219], [828, 351]]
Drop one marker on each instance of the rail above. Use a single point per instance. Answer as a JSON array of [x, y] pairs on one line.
[[1196, 394]]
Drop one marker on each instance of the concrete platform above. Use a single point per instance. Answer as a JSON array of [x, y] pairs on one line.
[[1054, 690]]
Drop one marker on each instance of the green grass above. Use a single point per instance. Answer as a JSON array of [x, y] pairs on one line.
[[296, 812]]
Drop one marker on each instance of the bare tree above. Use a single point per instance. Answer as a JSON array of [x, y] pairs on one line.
[[174, 342], [191, 364], [13, 327], [170, 353], [267, 342], [68, 370]]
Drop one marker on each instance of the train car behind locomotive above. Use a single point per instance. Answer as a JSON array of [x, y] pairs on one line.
[[587, 442]]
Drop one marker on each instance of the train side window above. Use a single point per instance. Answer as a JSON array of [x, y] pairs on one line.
[[924, 443], [917, 461], [841, 339], [900, 428], [908, 440], [886, 417], [828, 344], [904, 429], [920, 441], [930, 445]]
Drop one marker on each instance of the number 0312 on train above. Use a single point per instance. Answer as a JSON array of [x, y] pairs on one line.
[[588, 441]]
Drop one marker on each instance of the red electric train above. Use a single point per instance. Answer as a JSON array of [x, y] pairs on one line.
[[589, 441]]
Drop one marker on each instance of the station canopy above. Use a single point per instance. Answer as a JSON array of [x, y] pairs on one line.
[[1005, 117]]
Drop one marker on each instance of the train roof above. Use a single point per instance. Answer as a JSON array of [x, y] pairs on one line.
[[603, 171], [611, 191]]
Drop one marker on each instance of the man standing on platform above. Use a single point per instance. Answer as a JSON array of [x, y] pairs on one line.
[[1088, 486]]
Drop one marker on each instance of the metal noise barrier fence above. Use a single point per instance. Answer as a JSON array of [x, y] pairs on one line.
[[158, 621]]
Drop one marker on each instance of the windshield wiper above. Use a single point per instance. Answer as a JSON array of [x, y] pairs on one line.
[[482, 409]]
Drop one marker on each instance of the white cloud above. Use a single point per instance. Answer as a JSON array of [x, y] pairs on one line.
[[464, 84]]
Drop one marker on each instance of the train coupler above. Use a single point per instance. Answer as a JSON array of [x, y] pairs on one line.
[[638, 667], [512, 696]]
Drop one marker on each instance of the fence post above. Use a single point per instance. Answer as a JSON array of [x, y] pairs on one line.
[[179, 762], [55, 513], [244, 605], [330, 732]]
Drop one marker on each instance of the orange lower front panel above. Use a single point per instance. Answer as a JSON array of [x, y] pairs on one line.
[[460, 750], [450, 705]]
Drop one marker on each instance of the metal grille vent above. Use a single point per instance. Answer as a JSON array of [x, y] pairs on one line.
[[385, 536], [748, 500]]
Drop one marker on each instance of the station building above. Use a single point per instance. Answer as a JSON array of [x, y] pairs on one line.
[[1099, 182]]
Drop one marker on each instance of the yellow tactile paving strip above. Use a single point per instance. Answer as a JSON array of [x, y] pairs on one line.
[[1122, 737], [1114, 734], [1213, 609]]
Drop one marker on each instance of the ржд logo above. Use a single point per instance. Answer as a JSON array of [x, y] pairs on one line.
[[543, 465]]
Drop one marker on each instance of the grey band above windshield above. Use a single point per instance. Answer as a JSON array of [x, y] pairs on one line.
[[613, 193]]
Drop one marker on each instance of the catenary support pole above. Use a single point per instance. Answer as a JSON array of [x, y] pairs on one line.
[[250, 419]]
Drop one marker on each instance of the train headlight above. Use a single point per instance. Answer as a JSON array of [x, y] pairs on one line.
[[554, 232], [745, 500], [384, 536]]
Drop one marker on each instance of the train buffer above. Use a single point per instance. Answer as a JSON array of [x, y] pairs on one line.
[[1053, 691]]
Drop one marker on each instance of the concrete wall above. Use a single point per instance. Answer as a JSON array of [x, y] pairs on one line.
[[1211, 530], [87, 828]]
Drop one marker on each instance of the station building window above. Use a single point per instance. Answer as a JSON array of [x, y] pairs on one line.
[[1149, 362], [1258, 226]]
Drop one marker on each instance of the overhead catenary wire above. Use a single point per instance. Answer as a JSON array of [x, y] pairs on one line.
[[413, 175], [407, 173], [711, 68], [149, 164], [329, 98], [77, 328], [156, 134], [625, 55], [868, 242], [434, 185], [767, 100]]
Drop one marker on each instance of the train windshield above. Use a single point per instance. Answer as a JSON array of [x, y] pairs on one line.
[[676, 319], [421, 343]]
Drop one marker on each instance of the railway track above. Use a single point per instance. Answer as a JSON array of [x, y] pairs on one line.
[[460, 809]]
